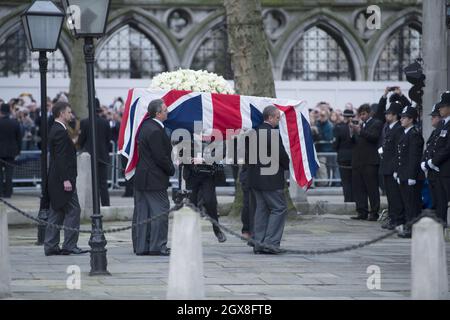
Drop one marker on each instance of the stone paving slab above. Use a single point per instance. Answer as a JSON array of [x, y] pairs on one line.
[[231, 270]]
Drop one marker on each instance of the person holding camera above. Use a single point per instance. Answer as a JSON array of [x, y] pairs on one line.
[[365, 164], [343, 146], [201, 178]]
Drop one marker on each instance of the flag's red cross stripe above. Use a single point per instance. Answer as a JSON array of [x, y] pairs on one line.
[[294, 142]]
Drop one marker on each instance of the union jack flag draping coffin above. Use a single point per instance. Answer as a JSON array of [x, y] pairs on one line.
[[222, 112]]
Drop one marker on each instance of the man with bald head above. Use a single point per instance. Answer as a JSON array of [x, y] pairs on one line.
[[271, 206]]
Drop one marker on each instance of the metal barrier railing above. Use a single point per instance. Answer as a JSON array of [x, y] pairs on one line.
[[27, 171]]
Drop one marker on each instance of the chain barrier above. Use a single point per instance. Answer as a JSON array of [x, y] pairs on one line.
[[113, 230], [277, 250], [202, 212]]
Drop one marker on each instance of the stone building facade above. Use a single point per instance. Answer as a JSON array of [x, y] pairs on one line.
[[309, 40]]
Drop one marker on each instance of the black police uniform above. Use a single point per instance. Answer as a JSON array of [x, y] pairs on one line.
[[441, 159], [388, 165], [409, 154], [432, 175]]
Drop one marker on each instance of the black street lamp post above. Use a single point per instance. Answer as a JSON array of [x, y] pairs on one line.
[[88, 20], [42, 23]]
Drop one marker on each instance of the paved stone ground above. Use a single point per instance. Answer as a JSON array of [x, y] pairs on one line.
[[232, 271]]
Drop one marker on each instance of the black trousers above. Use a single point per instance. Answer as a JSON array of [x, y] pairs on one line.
[[248, 210], [204, 193], [394, 198], [412, 200], [443, 197], [346, 178], [69, 216], [366, 187], [6, 174], [129, 185], [103, 183]]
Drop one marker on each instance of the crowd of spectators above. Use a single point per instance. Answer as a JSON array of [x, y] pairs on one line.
[[323, 119], [26, 110]]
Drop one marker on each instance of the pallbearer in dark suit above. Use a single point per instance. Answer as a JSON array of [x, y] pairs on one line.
[[271, 206], [151, 182], [408, 174], [432, 176], [10, 143], [343, 146], [440, 161], [103, 141], [62, 176], [393, 131], [365, 164]]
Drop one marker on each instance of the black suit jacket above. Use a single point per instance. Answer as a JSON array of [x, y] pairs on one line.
[[155, 165], [389, 158], [409, 152], [274, 182], [365, 145], [62, 167], [10, 137], [103, 138], [343, 143], [441, 156]]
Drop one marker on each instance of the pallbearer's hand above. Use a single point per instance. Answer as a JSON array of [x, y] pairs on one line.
[[67, 186]]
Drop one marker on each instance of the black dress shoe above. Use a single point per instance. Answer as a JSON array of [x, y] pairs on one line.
[[405, 235], [359, 217], [267, 251], [75, 250], [220, 236], [160, 253], [53, 252], [373, 217]]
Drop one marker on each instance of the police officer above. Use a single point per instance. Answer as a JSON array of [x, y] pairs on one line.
[[388, 153], [440, 159], [432, 176], [408, 174], [201, 180]]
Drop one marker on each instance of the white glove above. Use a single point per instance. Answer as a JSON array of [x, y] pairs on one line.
[[395, 175], [423, 165], [398, 181], [411, 182], [432, 166], [380, 151]]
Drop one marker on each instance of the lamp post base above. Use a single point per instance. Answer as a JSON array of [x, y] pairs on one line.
[[97, 242], [99, 263]]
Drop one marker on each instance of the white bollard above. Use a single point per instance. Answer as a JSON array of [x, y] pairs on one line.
[[84, 184], [186, 258], [428, 261], [5, 268]]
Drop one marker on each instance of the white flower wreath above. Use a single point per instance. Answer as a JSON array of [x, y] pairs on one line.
[[197, 81]]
